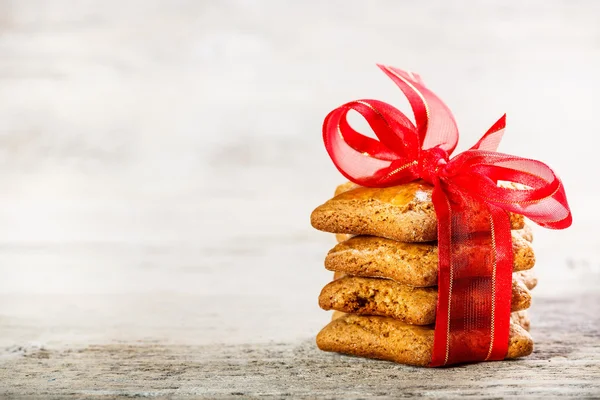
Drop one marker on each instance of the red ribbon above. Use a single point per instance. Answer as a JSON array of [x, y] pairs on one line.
[[473, 310]]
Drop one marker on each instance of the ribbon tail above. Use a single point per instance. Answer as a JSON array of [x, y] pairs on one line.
[[502, 282], [474, 279], [441, 343]]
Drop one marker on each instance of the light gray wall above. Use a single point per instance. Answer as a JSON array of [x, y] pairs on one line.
[[174, 146]]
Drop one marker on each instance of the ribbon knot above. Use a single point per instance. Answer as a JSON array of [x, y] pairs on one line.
[[474, 301], [430, 163]]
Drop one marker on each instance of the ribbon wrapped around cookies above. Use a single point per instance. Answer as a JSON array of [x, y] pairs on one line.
[[473, 310]]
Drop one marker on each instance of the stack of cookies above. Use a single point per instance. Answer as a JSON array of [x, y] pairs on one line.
[[384, 292]]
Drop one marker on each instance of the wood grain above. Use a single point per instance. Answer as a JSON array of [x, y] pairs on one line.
[[566, 362]]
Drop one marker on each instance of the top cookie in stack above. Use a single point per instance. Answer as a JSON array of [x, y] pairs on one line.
[[404, 213], [386, 275]]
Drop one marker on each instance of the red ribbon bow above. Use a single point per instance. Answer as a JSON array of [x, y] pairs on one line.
[[473, 310]]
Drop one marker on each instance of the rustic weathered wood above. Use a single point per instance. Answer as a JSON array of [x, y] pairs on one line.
[[566, 362]]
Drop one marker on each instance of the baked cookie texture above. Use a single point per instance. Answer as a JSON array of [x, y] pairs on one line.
[[521, 296], [372, 296], [413, 264], [526, 233], [529, 278], [385, 297], [520, 318], [389, 339], [404, 213]]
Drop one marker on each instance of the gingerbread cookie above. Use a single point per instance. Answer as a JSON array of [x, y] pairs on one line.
[[526, 233], [529, 278], [385, 297], [393, 340], [521, 318], [414, 264], [403, 213]]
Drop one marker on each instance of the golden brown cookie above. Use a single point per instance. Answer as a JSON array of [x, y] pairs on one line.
[[403, 212], [414, 264], [399, 212], [529, 278], [344, 187], [526, 233], [393, 340], [385, 297], [521, 318], [372, 296], [521, 296]]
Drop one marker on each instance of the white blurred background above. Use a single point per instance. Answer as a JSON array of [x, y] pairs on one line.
[[159, 160]]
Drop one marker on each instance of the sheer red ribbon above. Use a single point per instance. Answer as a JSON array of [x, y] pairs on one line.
[[474, 301]]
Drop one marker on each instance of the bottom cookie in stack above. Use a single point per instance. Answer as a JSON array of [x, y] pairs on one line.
[[393, 340]]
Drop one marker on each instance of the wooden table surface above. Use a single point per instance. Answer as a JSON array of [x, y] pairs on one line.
[[566, 362], [159, 161]]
